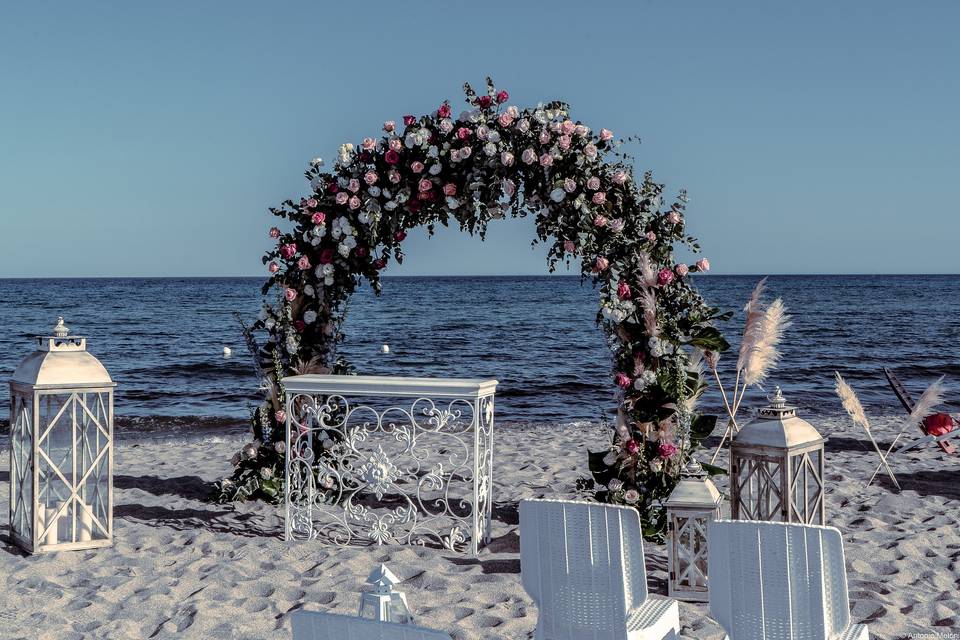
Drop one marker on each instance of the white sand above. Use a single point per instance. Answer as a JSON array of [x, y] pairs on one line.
[[186, 568]]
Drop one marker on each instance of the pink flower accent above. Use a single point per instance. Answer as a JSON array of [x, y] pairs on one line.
[[593, 183], [371, 177], [665, 276], [463, 133], [424, 185], [394, 176], [465, 152], [290, 294], [389, 126], [444, 110], [682, 270], [280, 416], [623, 381], [506, 159], [288, 250], [564, 142], [409, 120], [569, 185], [703, 264], [354, 202], [546, 160], [400, 236], [667, 449], [632, 446], [369, 144], [529, 156], [590, 151], [620, 177], [509, 187], [318, 218], [599, 221], [395, 144], [544, 137], [513, 111], [416, 166], [482, 132], [391, 157], [606, 134], [303, 263], [326, 256], [342, 197], [502, 96], [450, 189], [354, 185], [505, 120], [484, 101], [601, 264], [312, 203], [569, 247], [581, 130], [599, 197], [651, 236], [274, 267], [568, 126], [674, 217], [623, 290], [274, 233]]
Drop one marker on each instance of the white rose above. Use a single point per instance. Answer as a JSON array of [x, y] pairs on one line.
[[350, 241], [364, 217], [336, 232], [270, 323], [615, 485], [433, 151], [343, 250], [523, 125], [434, 169], [490, 149], [291, 345], [452, 203], [328, 280], [631, 495], [327, 269], [493, 136], [390, 206], [319, 231], [310, 317], [557, 195], [374, 191], [308, 290]]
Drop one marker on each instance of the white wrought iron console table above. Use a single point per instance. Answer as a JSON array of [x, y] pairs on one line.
[[362, 470]]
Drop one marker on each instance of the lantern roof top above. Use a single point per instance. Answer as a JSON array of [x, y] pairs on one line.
[[694, 491], [382, 577], [778, 426], [62, 361]]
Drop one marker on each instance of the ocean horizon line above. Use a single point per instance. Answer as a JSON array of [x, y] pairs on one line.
[[480, 275]]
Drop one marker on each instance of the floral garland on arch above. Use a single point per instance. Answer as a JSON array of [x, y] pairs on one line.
[[491, 161]]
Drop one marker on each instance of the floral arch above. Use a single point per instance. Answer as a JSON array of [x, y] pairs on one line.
[[491, 161]]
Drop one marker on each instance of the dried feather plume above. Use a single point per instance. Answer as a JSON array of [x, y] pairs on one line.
[[648, 302], [764, 353], [647, 271], [851, 403], [754, 311], [927, 404]]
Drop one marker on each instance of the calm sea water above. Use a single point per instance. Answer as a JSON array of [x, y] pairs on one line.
[[162, 339]]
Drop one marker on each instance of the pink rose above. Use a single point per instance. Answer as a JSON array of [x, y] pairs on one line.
[[303, 263], [391, 157], [513, 111], [274, 233], [416, 166], [312, 203], [290, 294], [601, 264], [620, 177], [369, 144], [544, 137], [482, 132], [606, 134], [463, 133], [342, 197], [599, 197], [318, 218], [446, 126], [484, 101], [502, 96], [665, 276], [444, 110], [546, 160], [568, 126], [389, 126], [424, 185], [673, 217], [450, 189], [288, 250], [395, 144], [274, 267], [682, 270], [280, 416], [509, 187], [569, 247], [564, 142], [354, 202], [505, 120], [590, 151], [623, 290], [529, 156], [409, 120], [599, 221], [400, 236], [326, 256], [506, 159], [465, 152], [667, 449], [455, 155], [394, 176], [569, 185], [581, 130], [632, 447], [651, 236], [371, 177], [593, 183], [703, 264], [623, 380], [354, 185]]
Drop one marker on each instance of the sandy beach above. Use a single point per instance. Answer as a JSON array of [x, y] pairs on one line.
[[183, 567]]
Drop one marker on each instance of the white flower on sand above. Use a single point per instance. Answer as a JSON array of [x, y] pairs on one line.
[[310, 317], [557, 195]]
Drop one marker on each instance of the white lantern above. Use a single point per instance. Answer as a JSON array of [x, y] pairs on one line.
[[382, 602], [776, 468], [692, 504], [61, 447]]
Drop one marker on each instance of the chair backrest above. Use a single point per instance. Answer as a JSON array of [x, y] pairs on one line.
[[313, 625], [777, 580], [582, 563]]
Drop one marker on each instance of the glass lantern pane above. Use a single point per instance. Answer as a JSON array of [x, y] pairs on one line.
[[760, 490], [21, 470]]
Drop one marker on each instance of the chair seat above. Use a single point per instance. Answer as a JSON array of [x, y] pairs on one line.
[[853, 632], [656, 618]]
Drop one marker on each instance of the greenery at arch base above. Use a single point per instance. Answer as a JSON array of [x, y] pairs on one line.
[[491, 161]]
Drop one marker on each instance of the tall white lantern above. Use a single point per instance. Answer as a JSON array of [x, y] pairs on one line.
[[61, 447], [382, 602], [692, 504]]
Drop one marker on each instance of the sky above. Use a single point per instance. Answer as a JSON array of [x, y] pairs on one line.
[[149, 139]]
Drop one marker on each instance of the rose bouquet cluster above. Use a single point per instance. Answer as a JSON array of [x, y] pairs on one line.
[[492, 160]]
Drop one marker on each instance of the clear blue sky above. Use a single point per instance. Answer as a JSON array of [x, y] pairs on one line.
[[149, 138]]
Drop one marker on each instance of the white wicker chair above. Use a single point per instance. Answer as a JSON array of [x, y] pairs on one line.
[[778, 581], [582, 563], [313, 625]]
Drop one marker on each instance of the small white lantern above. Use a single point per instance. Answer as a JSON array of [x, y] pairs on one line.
[[692, 504], [776, 468], [61, 447], [382, 602]]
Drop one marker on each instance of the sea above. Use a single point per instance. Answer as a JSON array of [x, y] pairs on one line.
[[163, 339]]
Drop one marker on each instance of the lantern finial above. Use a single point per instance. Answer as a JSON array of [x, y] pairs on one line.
[[60, 330]]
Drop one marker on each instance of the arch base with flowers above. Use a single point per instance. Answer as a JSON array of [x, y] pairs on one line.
[[491, 161]]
